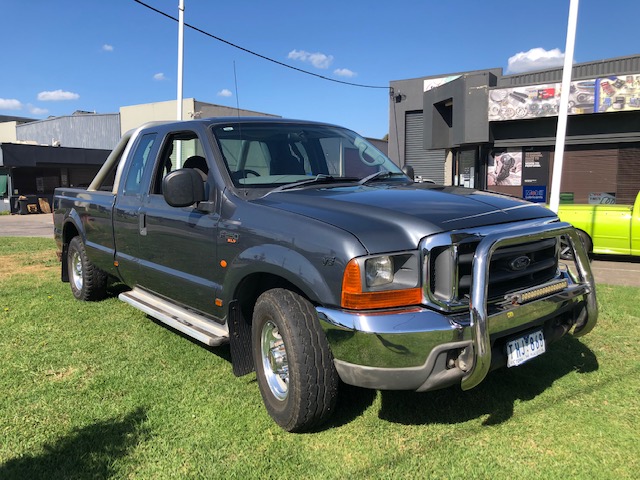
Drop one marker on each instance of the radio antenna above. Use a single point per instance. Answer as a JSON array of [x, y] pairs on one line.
[[235, 79]]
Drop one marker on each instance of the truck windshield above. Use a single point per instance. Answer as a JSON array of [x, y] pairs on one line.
[[264, 155]]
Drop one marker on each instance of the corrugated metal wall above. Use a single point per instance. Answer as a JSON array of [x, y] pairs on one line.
[[427, 163], [100, 131], [587, 70]]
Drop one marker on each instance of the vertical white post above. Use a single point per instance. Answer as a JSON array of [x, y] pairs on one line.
[[180, 74], [561, 132], [180, 56]]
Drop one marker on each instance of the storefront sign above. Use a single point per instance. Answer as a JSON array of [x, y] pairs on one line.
[[608, 94], [436, 82], [596, 198], [616, 94], [536, 168], [535, 193]]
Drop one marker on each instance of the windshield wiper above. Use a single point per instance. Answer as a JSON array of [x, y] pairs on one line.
[[378, 175], [320, 178]]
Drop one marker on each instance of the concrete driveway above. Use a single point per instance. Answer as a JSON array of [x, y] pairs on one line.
[[35, 225], [611, 270]]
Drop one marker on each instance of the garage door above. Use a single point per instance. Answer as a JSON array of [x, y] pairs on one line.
[[429, 164]]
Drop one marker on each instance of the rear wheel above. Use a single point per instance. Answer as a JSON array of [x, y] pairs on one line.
[[294, 366], [87, 281]]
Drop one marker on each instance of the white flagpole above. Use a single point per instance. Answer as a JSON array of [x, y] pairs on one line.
[[561, 132], [180, 74]]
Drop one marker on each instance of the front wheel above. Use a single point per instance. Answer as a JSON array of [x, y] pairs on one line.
[[87, 281], [566, 253], [294, 366]]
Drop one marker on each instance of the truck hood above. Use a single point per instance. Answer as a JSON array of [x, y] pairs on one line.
[[385, 217]]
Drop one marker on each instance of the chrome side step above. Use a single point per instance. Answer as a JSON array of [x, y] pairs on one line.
[[187, 322]]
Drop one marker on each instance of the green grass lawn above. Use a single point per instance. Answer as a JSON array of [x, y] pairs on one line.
[[99, 390]]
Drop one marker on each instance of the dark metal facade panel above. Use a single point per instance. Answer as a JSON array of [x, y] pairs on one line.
[[581, 129], [98, 131], [19, 155]]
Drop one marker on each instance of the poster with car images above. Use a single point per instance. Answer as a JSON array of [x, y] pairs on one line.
[[532, 101], [609, 94], [505, 168], [615, 94]]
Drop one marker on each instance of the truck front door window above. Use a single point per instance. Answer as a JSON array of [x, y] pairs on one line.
[[188, 147]]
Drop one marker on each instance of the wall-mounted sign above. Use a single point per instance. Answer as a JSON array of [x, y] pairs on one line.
[[597, 198], [615, 94], [431, 83], [610, 94], [536, 168], [505, 168], [535, 193]]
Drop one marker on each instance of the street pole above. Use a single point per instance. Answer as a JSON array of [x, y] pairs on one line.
[[563, 112], [180, 74]]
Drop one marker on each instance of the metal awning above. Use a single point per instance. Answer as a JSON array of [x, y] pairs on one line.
[[21, 155], [631, 137]]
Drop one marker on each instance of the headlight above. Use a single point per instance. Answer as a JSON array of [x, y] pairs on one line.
[[378, 271], [382, 281]]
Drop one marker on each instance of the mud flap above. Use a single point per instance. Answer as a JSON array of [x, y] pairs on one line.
[[240, 342]]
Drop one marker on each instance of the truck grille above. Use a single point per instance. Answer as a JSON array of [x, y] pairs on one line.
[[449, 270]]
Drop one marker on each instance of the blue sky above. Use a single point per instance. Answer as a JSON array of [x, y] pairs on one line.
[[66, 55]]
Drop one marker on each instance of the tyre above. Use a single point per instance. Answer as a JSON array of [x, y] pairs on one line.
[[565, 250], [87, 281], [294, 366]]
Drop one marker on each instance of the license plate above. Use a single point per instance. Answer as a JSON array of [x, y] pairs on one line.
[[524, 348]]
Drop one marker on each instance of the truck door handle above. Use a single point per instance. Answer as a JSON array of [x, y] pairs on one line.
[[142, 223]]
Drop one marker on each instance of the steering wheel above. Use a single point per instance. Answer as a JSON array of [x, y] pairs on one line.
[[243, 173]]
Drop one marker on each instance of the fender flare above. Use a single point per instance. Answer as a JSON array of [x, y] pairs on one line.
[[283, 262]]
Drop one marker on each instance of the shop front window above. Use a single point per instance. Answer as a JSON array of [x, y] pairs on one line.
[[466, 168]]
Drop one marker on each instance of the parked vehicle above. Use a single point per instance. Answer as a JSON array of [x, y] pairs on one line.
[[319, 260], [605, 228]]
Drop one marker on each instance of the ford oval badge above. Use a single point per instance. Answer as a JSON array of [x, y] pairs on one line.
[[519, 263]]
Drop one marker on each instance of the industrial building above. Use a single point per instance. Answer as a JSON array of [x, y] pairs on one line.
[[36, 156], [486, 130]]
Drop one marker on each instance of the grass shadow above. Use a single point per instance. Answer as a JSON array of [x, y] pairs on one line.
[[89, 452], [223, 351], [352, 402], [494, 397]]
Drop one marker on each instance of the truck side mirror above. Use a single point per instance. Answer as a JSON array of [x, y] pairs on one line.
[[183, 187], [408, 171]]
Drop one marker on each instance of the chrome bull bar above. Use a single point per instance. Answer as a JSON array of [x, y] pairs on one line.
[[479, 289]]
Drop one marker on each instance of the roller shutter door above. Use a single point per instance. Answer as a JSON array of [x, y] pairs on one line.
[[427, 163]]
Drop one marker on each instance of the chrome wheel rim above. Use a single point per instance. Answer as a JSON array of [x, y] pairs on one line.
[[566, 252], [274, 361], [76, 270]]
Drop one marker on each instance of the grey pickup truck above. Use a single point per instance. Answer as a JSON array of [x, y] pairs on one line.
[[319, 261]]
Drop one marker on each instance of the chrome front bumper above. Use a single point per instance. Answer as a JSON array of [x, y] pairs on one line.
[[422, 349]]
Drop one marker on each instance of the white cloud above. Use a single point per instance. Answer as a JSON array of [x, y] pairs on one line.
[[344, 72], [318, 60], [33, 110], [159, 77], [10, 104], [225, 92], [107, 48], [535, 59], [57, 95]]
